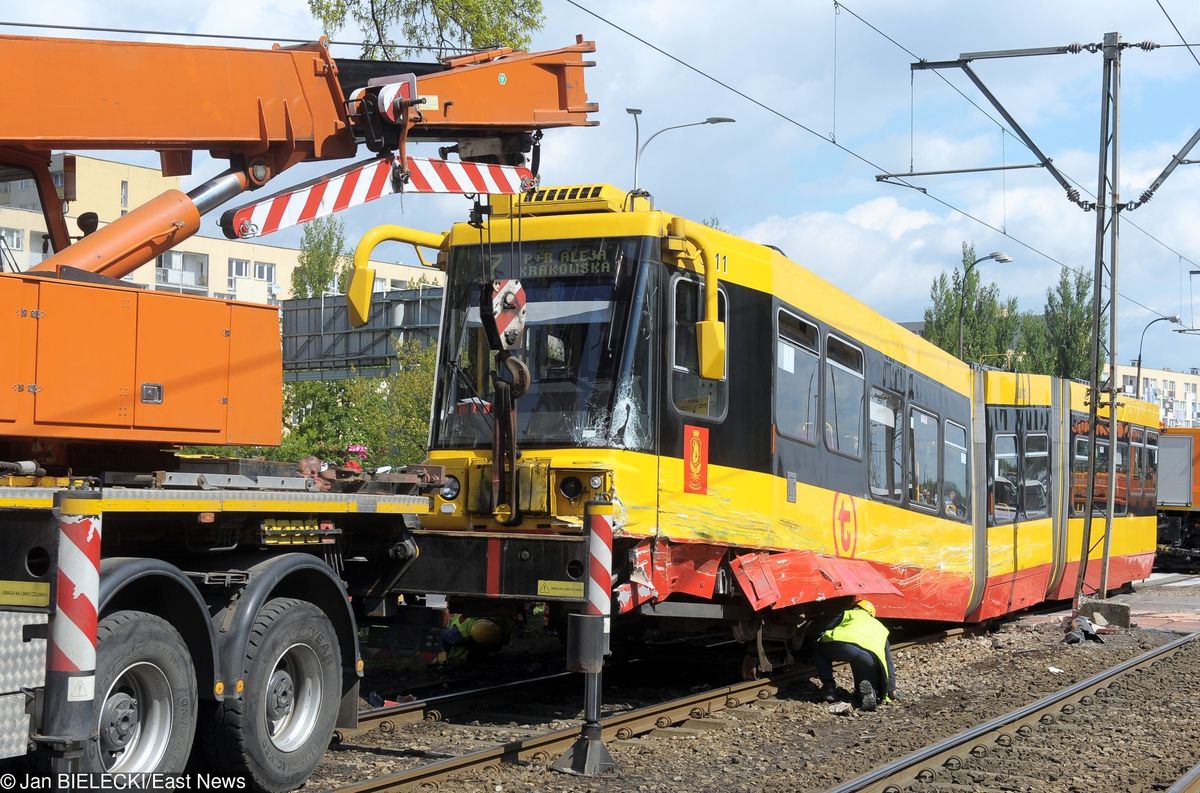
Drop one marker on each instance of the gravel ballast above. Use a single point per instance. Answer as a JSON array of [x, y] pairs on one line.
[[794, 742]]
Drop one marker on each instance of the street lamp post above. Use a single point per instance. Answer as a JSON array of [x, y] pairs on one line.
[[637, 157], [999, 256], [635, 112], [1137, 385]]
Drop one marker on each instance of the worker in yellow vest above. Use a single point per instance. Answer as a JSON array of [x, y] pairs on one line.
[[856, 637], [469, 638]]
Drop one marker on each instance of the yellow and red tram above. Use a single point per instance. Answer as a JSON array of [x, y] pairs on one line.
[[770, 444]]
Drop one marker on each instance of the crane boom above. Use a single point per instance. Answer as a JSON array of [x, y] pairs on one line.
[[262, 110]]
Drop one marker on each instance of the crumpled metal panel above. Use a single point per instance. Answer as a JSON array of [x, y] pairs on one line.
[[787, 579]]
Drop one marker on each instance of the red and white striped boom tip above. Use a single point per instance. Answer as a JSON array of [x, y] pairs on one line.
[[366, 182]]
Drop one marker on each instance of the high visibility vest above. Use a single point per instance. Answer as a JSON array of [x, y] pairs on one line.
[[462, 624], [861, 629], [456, 637]]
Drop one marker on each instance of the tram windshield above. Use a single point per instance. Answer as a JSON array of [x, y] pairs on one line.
[[587, 343]]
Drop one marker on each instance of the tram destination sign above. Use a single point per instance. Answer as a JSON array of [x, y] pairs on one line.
[[582, 258]]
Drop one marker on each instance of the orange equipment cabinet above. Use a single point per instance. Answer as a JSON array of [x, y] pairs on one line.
[[105, 362]]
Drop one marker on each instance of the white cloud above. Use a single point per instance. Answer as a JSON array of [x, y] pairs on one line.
[[886, 215]]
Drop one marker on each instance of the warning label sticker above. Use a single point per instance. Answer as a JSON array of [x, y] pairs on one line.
[[560, 589], [24, 593]]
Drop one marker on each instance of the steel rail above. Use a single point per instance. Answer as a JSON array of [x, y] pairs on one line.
[[544, 747], [437, 707], [1188, 783], [922, 765]]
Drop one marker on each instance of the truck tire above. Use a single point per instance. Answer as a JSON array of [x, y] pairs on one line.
[[145, 696], [277, 732]]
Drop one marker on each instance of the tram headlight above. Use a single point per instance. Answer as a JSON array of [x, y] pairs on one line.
[[571, 488], [596, 482], [451, 489]]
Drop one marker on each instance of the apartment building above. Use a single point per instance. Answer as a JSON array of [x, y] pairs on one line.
[[1177, 393], [206, 264]]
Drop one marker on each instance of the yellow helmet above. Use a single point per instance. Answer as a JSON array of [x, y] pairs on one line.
[[485, 633], [866, 606]]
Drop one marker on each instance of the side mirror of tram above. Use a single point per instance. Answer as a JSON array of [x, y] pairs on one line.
[[710, 348], [358, 295]]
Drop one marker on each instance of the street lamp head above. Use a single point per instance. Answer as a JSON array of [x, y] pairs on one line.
[[719, 120], [1174, 319], [999, 256], [633, 111]]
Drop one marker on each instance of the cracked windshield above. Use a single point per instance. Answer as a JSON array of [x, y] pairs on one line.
[[588, 326]]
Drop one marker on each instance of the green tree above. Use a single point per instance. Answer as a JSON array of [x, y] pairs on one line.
[[389, 414], [714, 222], [323, 261], [465, 24], [990, 323], [1068, 316], [393, 411], [1033, 353]]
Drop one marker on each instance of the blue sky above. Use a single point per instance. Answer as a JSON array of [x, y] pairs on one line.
[[769, 180]]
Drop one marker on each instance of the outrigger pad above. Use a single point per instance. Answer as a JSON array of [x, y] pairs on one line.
[[779, 580], [587, 756]]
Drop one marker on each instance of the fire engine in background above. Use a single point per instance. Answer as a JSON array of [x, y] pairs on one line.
[[215, 609]]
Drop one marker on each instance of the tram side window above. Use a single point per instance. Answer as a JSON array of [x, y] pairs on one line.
[[690, 393], [797, 385], [1079, 474], [1121, 491], [1137, 460], [923, 460], [1151, 481], [845, 390], [956, 476], [1005, 496], [1100, 495], [887, 445], [1036, 475], [1137, 472]]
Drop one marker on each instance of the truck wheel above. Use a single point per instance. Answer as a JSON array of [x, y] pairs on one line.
[[145, 696], [277, 732]]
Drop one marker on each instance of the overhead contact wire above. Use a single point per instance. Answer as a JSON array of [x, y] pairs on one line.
[[1004, 131], [811, 131], [1178, 33]]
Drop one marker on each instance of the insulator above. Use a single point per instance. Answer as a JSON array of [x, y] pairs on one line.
[[1075, 48], [1073, 195], [1145, 197], [1146, 45]]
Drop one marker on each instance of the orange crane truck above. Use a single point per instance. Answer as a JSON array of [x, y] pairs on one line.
[[148, 609]]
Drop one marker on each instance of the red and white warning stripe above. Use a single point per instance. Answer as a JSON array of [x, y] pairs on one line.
[[72, 645], [508, 307], [369, 182], [598, 587], [403, 86]]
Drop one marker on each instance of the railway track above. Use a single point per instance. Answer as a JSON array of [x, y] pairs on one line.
[[546, 746], [1188, 783], [388, 718], [1040, 736]]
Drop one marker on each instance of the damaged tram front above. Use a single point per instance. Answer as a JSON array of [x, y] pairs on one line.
[[548, 376]]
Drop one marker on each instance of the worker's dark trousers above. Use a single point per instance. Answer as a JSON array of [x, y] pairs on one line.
[[862, 662]]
